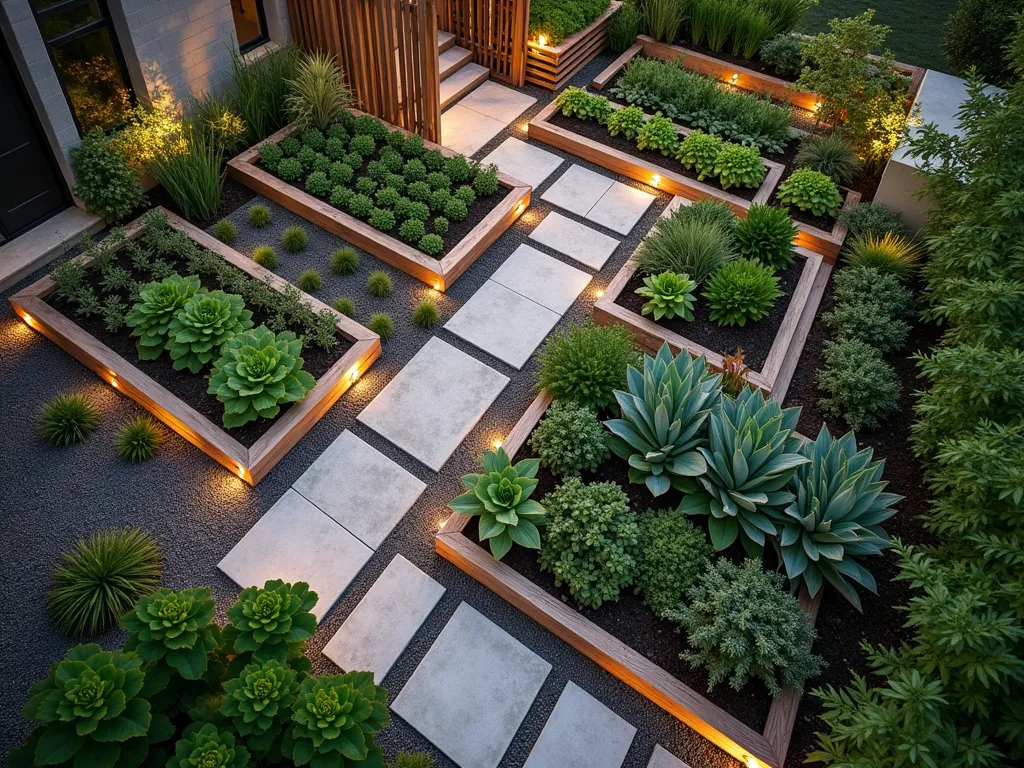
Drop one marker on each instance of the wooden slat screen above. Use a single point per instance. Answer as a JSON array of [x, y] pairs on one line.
[[494, 31], [388, 49]]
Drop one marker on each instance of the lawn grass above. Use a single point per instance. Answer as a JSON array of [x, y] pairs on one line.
[[916, 36]]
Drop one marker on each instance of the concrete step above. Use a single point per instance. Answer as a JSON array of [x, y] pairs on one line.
[[462, 82], [452, 60], [445, 40]]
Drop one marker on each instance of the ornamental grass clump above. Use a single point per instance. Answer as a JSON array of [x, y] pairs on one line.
[[206, 746], [741, 290], [378, 284], [259, 702], [346, 306], [294, 239], [310, 281], [570, 440], [151, 317], [500, 497], [586, 363], [890, 253], [766, 234], [139, 439], [673, 554], [669, 295], [318, 94], [201, 327], [344, 261], [259, 215], [175, 629], [829, 155], [426, 314], [382, 324], [67, 419], [272, 622], [225, 231], [686, 246], [264, 256]]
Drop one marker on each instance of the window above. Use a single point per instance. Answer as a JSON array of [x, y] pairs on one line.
[[250, 23], [83, 47]]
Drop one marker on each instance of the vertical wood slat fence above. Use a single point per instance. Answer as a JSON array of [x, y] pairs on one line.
[[494, 31], [388, 49]]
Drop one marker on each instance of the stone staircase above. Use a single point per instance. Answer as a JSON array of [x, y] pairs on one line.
[[459, 75]]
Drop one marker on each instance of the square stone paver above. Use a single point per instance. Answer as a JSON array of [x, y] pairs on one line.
[[381, 626], [295, 541], [527, 163], [620, 208], [503, 323], [581, 733], [577, 190], [361, 488], [497, 101], [577, 241], [465, 131], [435, 400], [541, 278], [472, 690], [662, 758]]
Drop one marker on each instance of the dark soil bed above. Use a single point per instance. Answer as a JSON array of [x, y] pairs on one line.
[[756, 339], [754, 64], [233, 195], [190, 387]]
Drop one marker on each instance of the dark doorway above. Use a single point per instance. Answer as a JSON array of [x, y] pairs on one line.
[[33, 188]]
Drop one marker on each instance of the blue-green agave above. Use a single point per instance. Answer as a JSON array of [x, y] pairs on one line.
[[751, 457], [269, 622], [500, 495], [202, 326], [664, 420], [176, 627], [150, 318], [204, 746], [836, 517]]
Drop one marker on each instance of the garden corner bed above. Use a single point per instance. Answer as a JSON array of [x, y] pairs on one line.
[[179, 398], [464, 242], [552, 66]]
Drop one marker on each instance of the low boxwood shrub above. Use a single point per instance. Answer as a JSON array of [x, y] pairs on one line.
[[570, 440], [382, 219], [307, 158], [466, 194], [418, 191], [289, 169], [455, 210], [270, 156], [438, 180], [387, 198], [362, 145], [457, 169], [315, 139], [413, 146], [335, 148], [340, 196], [674, 553], [858, 385], [364, 186], [414, 170], [486, 183], [856, 285], [318, 184], [412, 230], [291, 146], [439, 199], [433, 160], [360, 206], [440, 225], [870, 322], [431, 244], [377, 171]]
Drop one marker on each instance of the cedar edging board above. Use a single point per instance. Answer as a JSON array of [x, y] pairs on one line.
[[766, 750], [786, 347], [252, 463], [818, 240], [437, 273], [551, 66]]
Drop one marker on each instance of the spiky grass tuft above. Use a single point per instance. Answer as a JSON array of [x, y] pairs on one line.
[[139, 439], [67, 419], [381, 324]]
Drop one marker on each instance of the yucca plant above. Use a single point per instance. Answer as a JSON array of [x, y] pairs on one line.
[[663, 424], [835, 518], [669, 295], [891, 253], [751, 458], [318, 94]]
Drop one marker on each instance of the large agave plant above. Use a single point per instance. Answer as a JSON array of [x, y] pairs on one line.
[[203, 325], [664, 416], [836, 516], [750, 460], [151, 317]]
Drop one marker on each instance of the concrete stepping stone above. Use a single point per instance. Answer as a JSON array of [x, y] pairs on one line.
[[577, 190], [295, 541], [466, 131], [662, 758], [381, 626], [541, 278], [527, 163], [503, 323], [497, 101], [472, 690], [620, 208], [360, 488], [581, 733], [432, 404], [577, 241]]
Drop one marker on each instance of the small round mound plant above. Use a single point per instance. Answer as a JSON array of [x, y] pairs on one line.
[[264, 256], [570, 440], [259, 216], [810, 190], [138, 440], [586, 363], [378, 284], [344, 261], [310, 281], [225, 231], [345, 306], [294, 239], [426, 314], [381, 324], [741, 291], [67, 419]]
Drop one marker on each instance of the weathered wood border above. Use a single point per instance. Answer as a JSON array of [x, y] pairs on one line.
[[253, 463], [786, 346], [551, 66], [764, 750], [437, 273]]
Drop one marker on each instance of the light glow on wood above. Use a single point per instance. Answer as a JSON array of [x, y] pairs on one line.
[[542, 40]]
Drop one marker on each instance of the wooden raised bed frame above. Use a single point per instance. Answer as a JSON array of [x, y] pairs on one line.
[[253, 463], [437, 273], [551, 66], [785, 349], [763, 750], [813, 239]]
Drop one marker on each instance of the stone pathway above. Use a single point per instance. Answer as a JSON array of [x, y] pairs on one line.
[[577, 241], [481, 115], [662, 758], [526, 162], [540, 278], [597, 198]]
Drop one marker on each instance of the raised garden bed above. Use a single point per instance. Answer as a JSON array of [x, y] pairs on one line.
[[490, 217], [552, 66], [179, 398], [764, 744]]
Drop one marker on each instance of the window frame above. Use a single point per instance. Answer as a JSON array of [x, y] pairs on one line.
[[264, 36]]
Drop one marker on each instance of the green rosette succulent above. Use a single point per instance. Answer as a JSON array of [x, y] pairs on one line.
[[92, 713], [500, 495], [664, 420], [669, 295], [258, 371], [259, 703], [176, 627], [751, 457], [150, 319], [203, 325], [271, 621], [836, 517], [333, 722], [204, 746]]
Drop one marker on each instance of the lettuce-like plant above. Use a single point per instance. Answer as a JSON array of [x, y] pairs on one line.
[[501, 497], [669, 295], [628, 121], [174, 627], [334, 721], [659, 133], [256, 373], [203, 325], [271, 621], [699, 151], [811, 190], [737, 165], [204, 746], [578, 102], [664, 413], [150, 319], [259, 703]]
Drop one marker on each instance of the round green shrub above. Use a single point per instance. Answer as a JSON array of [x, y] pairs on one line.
[[340, 196], [439, 199], [387, 197], [858, 385], [426, 314], [337, 131], [360, 206], [105, 181], [673, 555], [264, 256], [364, 126], [438, 180], [740, 166], [294, 239], [440, 225], [401, 208], [869, 322], [810, 190], [457, 169], [345, 306], [310, 281], [392, 160], [318, 184], [340, 173], [414, 170], [307, 157], [365, 186], [418, 210], [570, 440], [466, 194], [396, 139], [587, 363], [784, 53], [353, 160], [867, 285], [627, 121], [67, 419], [382, 219], [486, 182], [291, 146], [344, 261], [376, 170], [289, 169], [313, 138], [270, 156], [872, 219], [395, 181], [139, 439], [378, 284], [766, 234], [830, 155], [101, 578], [431, 244], [259, 216], [413, 146], [433, 160], [741, 290], [335, 148], [976, 35], [455, 210], [321, 163], [412, 230], [362, 145], [381, 324], [418, 191], [225, 231]]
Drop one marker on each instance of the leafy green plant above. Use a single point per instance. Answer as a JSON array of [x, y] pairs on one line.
[[699, 151], [455, 210], [741, 290], [175, 628], [100, 578], [426, 314], [867, 285], [440, 225], [381, 324], [314, 139], [812, 191], [318, 93], [104, 179], [340, 173], [891, 254], [673, 554], [466, 194], [191, 173], [739, 165], [204, 745], [138, 440], [870, 322], [458, 169], [415, 170], [203, 325], [500, 497], [859, 386], [741, 623], [783, 53], [580, 103], [872, 218], [412, 230], [378, 284], [387, 197], [259, 216], [360, 206], [486, 183], [766, 234], [259, 704], [152, 316], [586, 363], [752, 26], [310, 281], [271, 622], [628, 121], [382, 219], [830, 155], [294, 239], [365, 186], [67, 419], [976, 34], [658, 133], [687, 246], [225, 231], [318, 184], [264, 256], [431, 244], [417, 191], [557, 19], [569, 439], [624, 26], [669, 295], [289, 169], [344, 261]]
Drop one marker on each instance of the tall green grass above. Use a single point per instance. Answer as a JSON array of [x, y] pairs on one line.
[[663, 18], [259, 91], [190, 171]]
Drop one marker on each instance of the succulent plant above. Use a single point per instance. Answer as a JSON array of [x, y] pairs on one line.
[[176, 627], [257, 372], [663, 424], [500, 496], [334, 720], [836, 516], [270, 621], [259, 703], [202, 326], [204, 746], [669, 294], [751, 457], [150, 319]]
